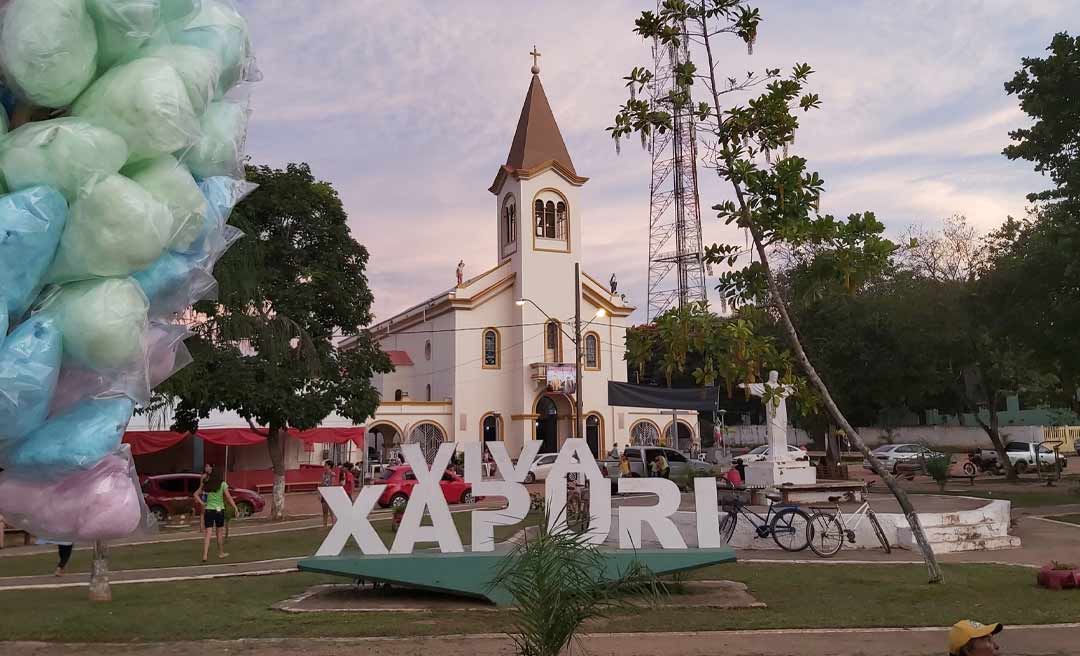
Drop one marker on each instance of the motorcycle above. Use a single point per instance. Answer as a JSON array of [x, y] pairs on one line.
[[976, 463]]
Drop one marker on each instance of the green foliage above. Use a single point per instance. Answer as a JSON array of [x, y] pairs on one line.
[[265, 349], [938, 468], [1048, 89], [556, 580]]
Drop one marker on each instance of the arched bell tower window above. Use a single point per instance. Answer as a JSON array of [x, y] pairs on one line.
[[560, 220], [551, 219], [509, 220]]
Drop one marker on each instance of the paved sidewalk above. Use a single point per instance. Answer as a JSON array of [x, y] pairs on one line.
[[1052, 640]]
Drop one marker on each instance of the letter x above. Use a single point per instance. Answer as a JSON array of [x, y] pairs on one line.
[[352, 521]]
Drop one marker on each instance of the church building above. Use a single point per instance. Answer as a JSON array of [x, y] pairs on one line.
[[493, 357]]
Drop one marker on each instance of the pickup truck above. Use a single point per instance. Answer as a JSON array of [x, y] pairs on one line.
[[641, 456], [1022, 456]]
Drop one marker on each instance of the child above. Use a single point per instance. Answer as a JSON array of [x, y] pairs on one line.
[[329, 479], [217, 494]]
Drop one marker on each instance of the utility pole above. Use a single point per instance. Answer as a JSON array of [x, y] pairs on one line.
[[578, 432]]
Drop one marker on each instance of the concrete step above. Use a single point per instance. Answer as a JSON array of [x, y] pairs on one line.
[[959, 541], [961, 532]]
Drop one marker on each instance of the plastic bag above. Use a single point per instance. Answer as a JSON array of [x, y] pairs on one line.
[[29, 368], [219, 151], [66, 443], [70, 154], [123, 26], [174, 282], [171, 183], [103, 503], [219, 28], [179, 10], [48, 49], [222, 195], [31, 222], [116, 229], [166, 352], [145, 102], [199, 69], [103, 321]]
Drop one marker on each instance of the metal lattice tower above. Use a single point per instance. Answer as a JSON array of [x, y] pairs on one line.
[[676, 258]]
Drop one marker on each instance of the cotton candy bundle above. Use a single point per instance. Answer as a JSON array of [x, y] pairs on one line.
[[68, 154], [103, 503], [48, 49], [114, 217]]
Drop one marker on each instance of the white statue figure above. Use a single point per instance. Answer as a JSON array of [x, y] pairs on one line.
[[775, 414], [460, 273]]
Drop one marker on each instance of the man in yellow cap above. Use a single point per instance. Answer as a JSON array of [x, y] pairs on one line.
[[969, 638]]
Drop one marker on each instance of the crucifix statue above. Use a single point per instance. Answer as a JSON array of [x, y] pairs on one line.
[[775, 413], [536, 63]]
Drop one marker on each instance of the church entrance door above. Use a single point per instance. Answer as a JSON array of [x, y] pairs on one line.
[[547, 425]]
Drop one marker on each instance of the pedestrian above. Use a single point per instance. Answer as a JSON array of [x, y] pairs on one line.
[[614, 453], [1, 531], [624, 465], [348, 480], [329, 479], [970, 638], [64, 550], [217, 495], [663, 470]]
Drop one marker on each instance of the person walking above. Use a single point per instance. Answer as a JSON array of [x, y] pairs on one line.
[[624, 465], [970, 638], [663, 470], [329, 479], [64, 550], [217, 495], [348, 480]]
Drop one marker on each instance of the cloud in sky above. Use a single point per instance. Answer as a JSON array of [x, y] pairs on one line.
[[409, 107]]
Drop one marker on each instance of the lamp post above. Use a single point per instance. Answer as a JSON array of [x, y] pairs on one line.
[[576, 339]]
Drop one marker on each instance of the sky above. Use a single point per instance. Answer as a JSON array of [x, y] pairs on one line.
[[408, 108]]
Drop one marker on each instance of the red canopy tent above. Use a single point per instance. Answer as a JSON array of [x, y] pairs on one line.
[[147, 442]]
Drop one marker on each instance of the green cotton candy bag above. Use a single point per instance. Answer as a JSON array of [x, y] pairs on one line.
[[122, 27], [68, 154], [219, 151], [103, 322], [115, 229], [48, 49], [220, 29], [170, 182], [199, 69], [145, 102]]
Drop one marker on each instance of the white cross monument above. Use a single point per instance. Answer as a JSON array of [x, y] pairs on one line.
[[778, 467]]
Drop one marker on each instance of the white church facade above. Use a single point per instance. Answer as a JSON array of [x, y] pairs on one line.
[[476, 362]]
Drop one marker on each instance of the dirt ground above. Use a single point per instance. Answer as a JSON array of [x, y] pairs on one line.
[[1015, 641]]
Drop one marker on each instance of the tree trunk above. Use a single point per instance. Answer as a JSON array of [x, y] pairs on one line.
[[993, 431], [275, 441], [99, 574]]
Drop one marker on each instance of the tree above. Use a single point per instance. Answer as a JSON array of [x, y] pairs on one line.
[[265, 349], [775, 199]]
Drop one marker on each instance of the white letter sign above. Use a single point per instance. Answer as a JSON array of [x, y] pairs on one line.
[[427, 495], [510, 488]]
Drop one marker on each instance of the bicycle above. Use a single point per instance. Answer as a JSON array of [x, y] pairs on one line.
[[787, 526], [828, 529], [578, 511]]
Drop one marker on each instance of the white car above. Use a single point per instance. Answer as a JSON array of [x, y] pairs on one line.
[[542, 466], [759, 454], [891, 454]]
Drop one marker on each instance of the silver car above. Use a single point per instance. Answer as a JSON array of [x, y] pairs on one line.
[[891, 454]]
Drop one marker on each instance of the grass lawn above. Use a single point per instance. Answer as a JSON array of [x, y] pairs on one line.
[[1072, 519], [241, 548], [798, 596], [1019, 499]]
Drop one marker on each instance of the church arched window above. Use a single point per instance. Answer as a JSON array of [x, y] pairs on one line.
[[560, 220], [509, 220], [539, 218], [592, 351], [552, 342], [491, 349]]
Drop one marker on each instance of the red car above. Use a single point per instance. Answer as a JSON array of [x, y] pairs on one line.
[[400, 481], [172, 494]]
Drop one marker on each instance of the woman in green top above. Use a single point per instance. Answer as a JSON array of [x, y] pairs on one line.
[[217, 493]]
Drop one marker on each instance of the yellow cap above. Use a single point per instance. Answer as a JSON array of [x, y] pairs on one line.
[[965, 631]]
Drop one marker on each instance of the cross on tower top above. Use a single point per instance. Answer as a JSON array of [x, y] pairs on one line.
[[536, 64]]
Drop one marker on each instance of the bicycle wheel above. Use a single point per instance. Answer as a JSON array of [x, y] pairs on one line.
[[878, 531], [824, 535], [788, 529], [727, 525]]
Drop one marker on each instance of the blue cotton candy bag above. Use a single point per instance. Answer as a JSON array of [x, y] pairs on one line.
[[31, 222], [29, 367]]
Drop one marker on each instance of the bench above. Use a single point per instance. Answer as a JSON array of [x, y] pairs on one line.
[[14, 531]]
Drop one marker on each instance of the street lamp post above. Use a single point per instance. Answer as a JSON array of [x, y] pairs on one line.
[[576, 339]]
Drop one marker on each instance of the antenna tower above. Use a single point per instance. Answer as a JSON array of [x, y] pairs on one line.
[[676, 258]]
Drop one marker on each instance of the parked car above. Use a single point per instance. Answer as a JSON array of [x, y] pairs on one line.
[[757, 454], [173, 494], [1022, 455], [641, 456], [401, 480], [541, 467], [889, 455]]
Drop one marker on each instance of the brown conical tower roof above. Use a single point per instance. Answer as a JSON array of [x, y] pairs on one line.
[[538, 139]]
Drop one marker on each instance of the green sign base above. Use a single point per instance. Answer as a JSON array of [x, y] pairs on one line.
[[472, 574]]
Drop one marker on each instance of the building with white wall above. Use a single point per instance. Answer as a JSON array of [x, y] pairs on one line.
[[472, 362]]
